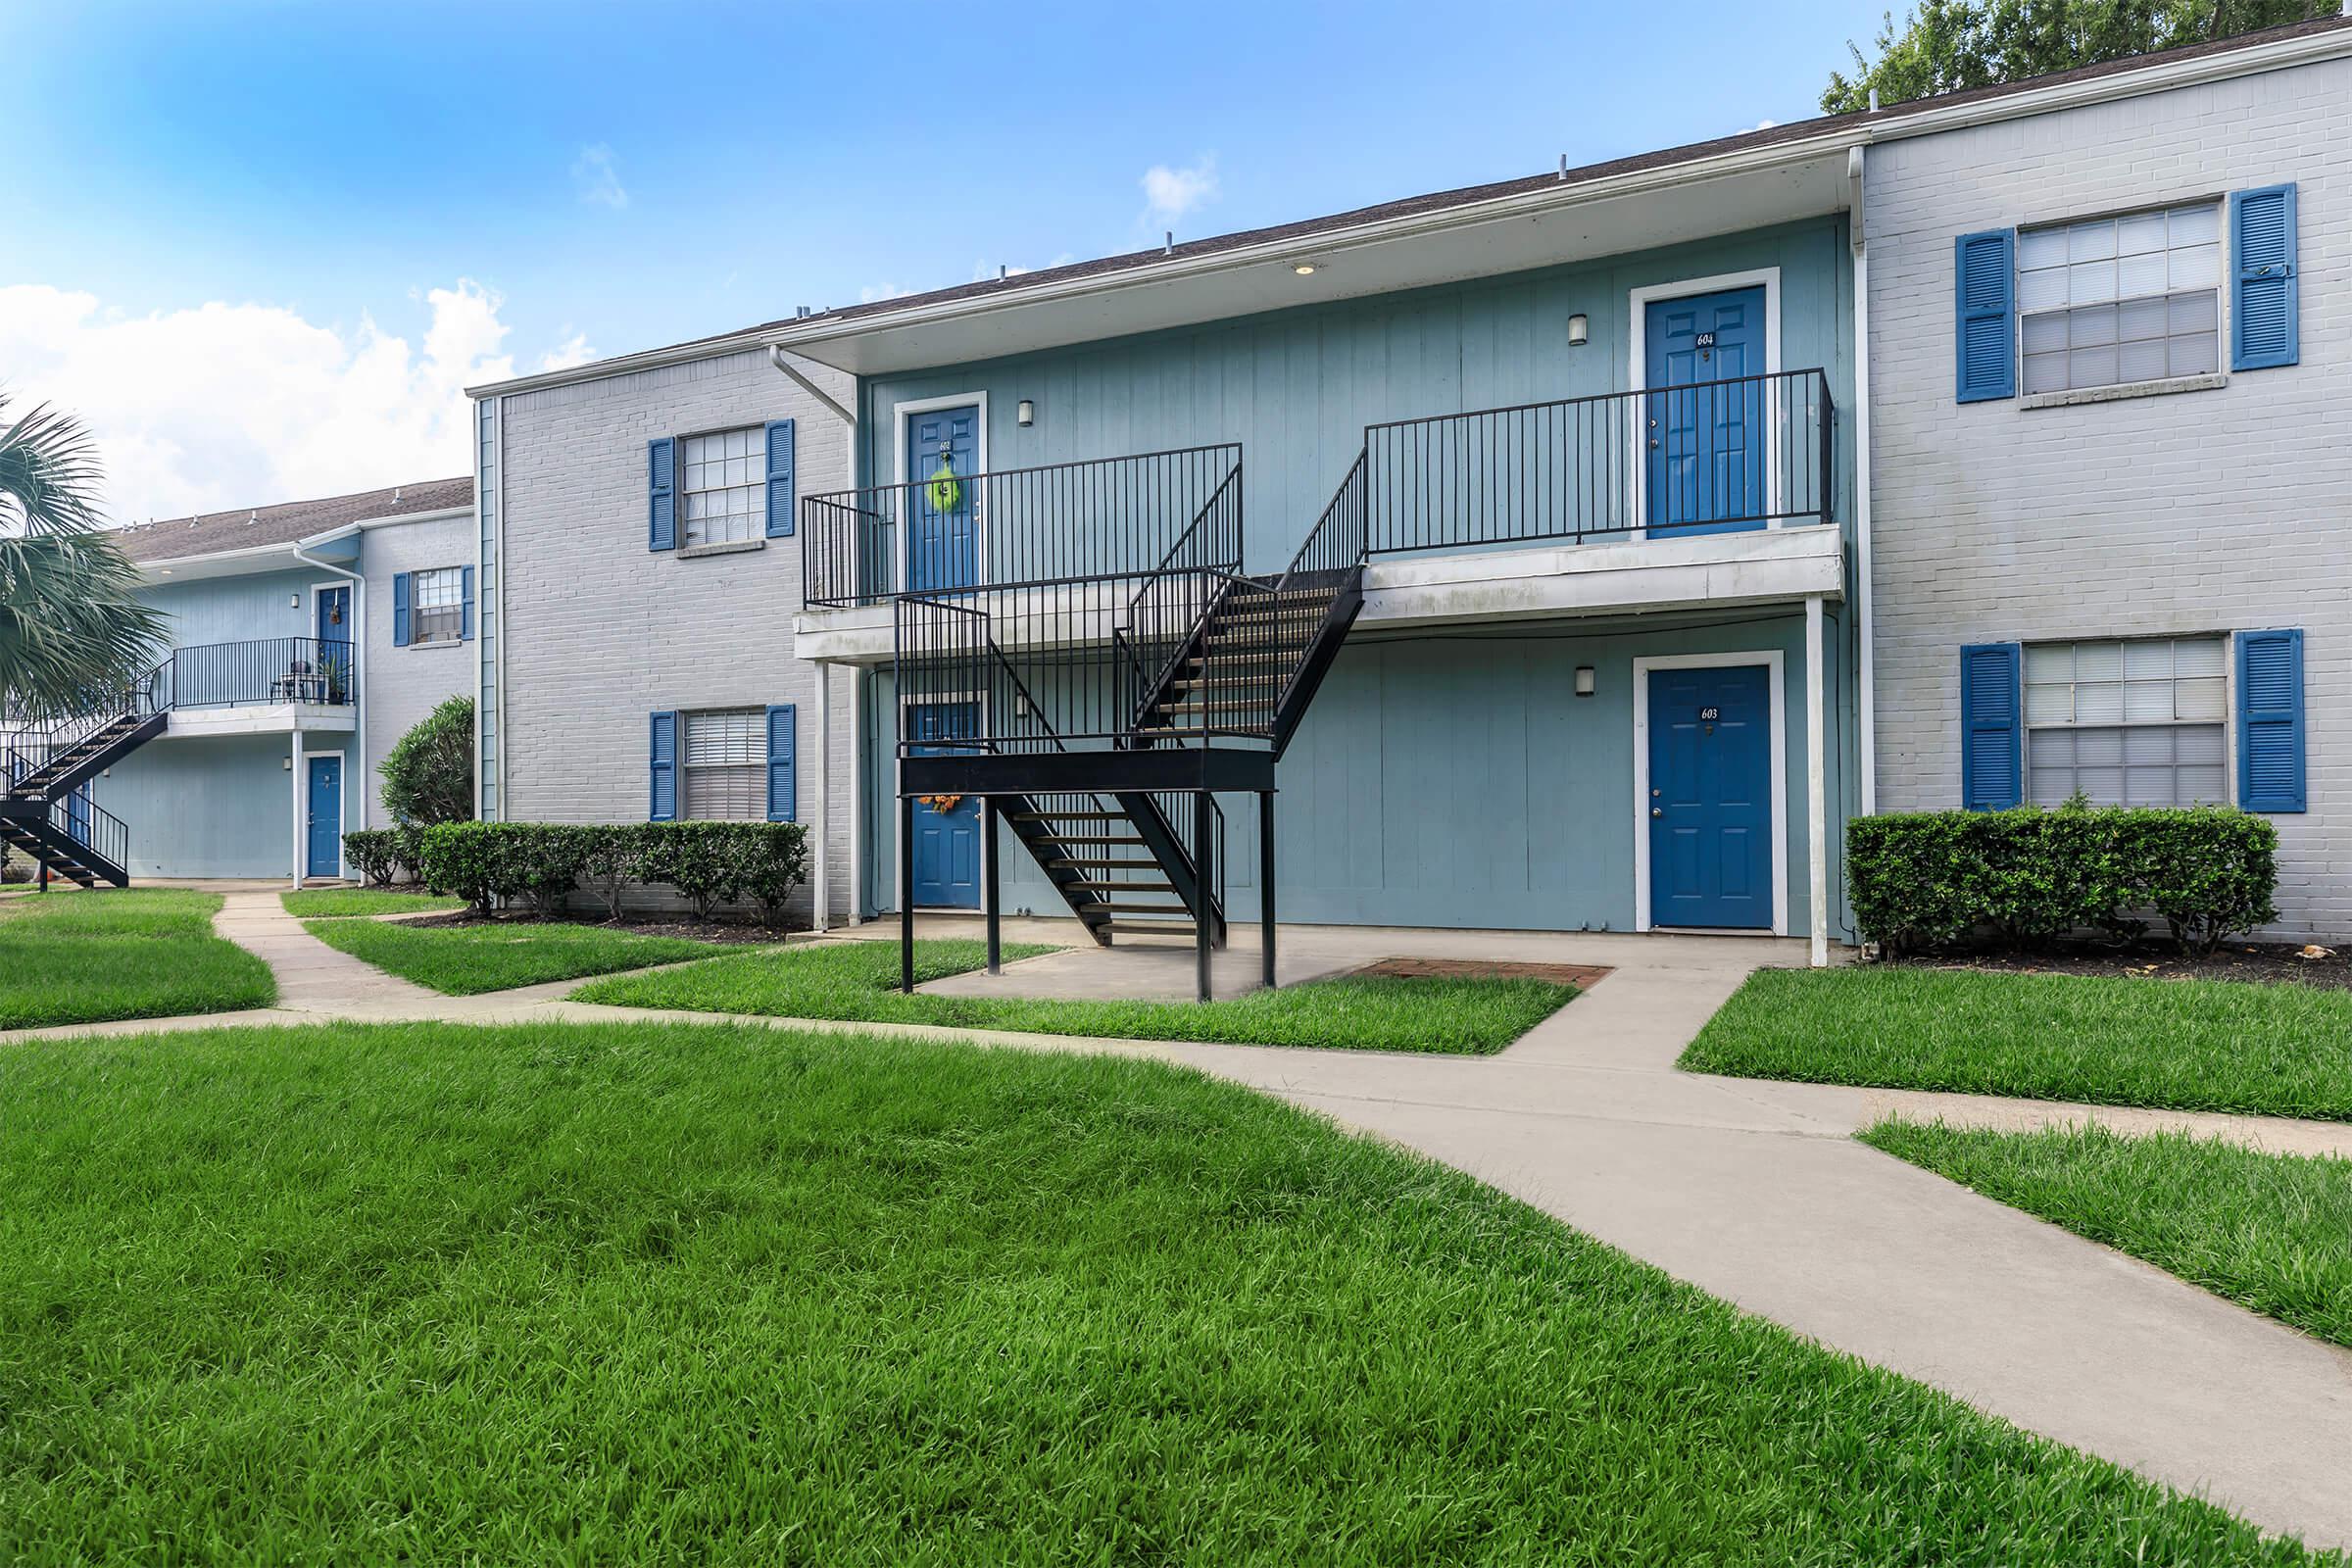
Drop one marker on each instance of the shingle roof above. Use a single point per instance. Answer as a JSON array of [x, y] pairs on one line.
[[1472, 195], [217, 531]]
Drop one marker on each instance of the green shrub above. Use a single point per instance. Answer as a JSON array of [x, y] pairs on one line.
[[429, 775], [708, 863], [1939, 879], [374, 853], [408, 851]]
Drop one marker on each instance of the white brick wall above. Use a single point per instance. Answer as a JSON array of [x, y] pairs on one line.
[[601, 631], [403, 684], [2204, 511]]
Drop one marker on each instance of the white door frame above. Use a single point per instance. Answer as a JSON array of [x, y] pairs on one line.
[[1638, 299], [897, 438], [342, 809], [1775, 678], [898, 804]]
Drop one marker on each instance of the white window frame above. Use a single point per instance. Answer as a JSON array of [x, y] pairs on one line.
[[898, 437], [2227, 249], [686, 717], [1777, 679], [758, 430], [416, 608], [1638, 299], [2026, 727]]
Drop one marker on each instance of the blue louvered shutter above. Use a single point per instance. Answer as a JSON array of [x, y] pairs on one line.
[[2263, 327], [400, 610], [2270, 720], [661, 495], [665, 755], [1984, 336], [1992, 740], [465, 604], [783, 796], [779, 480]]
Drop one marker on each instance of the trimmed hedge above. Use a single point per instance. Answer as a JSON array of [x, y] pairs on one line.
[[708, 863], [383, 856], [2028, 877]]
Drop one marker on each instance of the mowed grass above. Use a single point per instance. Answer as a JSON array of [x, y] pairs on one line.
[[314, 904], [2271, 1232], [2187, 1045], [859, 980], [462, 960], [121, 952], [628, 1294]]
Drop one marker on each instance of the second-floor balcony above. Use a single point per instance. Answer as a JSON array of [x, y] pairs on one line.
[[265, 685]]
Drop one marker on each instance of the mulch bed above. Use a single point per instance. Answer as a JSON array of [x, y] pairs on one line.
[[688, 929], [1580, 975], [2263, 962]]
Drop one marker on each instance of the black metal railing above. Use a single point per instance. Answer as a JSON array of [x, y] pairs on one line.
[[271, 670], [93, 828], [1749, 452], [949, 533]]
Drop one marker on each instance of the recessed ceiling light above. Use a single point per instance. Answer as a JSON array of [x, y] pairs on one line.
[[1304, 268]]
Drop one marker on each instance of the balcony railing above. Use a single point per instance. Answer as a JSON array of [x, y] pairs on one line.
[[271, 671], [1717, 456], [1098, 520]]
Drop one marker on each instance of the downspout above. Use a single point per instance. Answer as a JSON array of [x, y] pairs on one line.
[[1866, 680], [361, 662], [821, 901]]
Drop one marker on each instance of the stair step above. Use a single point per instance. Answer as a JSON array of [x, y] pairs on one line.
[[1144, 908], [1163, 886], [1157, 928], [1069, 817], [1092, 864]]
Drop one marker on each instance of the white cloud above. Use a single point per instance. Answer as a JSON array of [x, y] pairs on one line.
[[221, 406], [873, 292], [1171, 193], [595, 180]]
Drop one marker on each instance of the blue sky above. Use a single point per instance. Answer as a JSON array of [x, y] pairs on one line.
[[535, 182]]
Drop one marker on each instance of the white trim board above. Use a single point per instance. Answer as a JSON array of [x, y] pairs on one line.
[[898, 443], [1777, 680]]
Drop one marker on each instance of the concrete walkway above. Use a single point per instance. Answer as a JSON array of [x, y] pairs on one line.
[[1753, 1191]]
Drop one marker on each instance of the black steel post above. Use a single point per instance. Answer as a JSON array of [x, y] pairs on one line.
[[987, 884], [1200, 876], [1265, 884], [907, 805]]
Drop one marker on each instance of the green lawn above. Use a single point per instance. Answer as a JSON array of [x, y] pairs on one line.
[[845, 980], [314, 904], [2271, 1232], [629, 1293], [123, 952], [462, 960], [2189, 1045]]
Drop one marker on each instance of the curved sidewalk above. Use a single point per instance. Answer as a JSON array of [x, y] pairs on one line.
[[1754, 1191]]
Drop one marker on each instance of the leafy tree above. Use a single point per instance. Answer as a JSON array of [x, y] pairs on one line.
[[429, 775], [1951, 45], [73, 632]]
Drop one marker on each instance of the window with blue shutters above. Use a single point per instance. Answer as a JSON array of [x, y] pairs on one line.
[[663, 751], [1991, 752], [2263, 328], [782, 750], [661, 495], [401, 598], [1984, 336], [780, 479], [2270, 720]]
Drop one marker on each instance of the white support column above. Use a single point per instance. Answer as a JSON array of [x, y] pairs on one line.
[[857, 794], [1817, 787], [822, 910], [295, 766]]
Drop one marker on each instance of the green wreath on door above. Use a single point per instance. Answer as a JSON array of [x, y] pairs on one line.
[[943, 490]]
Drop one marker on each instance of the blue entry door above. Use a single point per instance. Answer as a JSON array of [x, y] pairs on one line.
[[947, 830], [335, 641], [1709, 427], [942, 453], [1710, 797], [322, 832]]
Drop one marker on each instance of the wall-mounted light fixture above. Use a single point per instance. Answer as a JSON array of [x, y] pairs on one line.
[[293, 601], [1580, 330], [1026, 413], [1584, 680], [285, 764]]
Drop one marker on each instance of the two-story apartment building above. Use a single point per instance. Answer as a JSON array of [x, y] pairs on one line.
[[1574, 552], [305, 638]]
